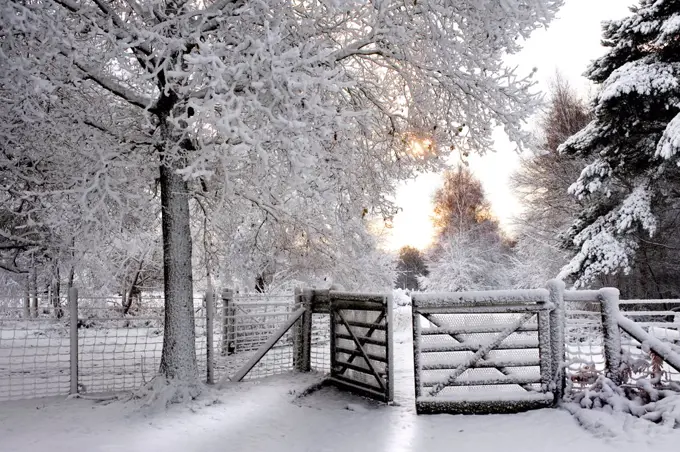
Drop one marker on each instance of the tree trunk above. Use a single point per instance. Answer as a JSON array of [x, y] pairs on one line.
[[56, 289], [178, 361], [134, 290], [27, 297], [34, 291]]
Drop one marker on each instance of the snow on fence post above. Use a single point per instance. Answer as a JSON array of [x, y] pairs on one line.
[[557, 338], [209, 343], [73, 320], [228, 346], [609, 301], [302, 337]]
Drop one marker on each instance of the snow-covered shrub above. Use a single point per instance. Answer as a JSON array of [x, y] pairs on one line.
[[642, 400]]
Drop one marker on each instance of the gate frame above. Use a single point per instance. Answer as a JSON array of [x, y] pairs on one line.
[[529, 302]]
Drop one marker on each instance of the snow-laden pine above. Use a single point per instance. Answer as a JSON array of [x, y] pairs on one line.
[[631, 143]]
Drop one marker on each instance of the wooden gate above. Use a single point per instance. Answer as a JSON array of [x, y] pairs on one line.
[[482, 352], [361, 341]]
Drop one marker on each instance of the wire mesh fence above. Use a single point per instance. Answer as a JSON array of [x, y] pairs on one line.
[[321, 343], [121, 349], [34, 350], [584, 337], [585, 343]]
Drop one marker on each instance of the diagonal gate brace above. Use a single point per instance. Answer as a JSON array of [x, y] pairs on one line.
[[458, 371], [362, 351]]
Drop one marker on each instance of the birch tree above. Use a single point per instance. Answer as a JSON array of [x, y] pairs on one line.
[[271, 100]]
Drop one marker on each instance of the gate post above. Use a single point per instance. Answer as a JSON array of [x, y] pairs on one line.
[[302, 339], [73, 320], [228, 346], [209, 343], [557, 339], [609, 301]]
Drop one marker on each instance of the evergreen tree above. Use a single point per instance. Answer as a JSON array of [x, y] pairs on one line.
[[410, 266], [629, 186]]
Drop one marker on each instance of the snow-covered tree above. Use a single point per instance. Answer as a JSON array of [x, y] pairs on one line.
[[466, 262], [631, 143], [470, 251], [270, 101], [542, 184], [410, 266]]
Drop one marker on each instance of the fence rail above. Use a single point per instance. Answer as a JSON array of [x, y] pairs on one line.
[[112, 351]]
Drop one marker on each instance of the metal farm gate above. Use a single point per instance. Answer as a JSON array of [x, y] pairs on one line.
[[361, 341], [482, 352]]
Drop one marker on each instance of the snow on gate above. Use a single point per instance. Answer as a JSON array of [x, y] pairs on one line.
[[482, 352]]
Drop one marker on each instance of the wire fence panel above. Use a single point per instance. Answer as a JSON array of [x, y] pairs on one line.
[[584, 346], [34, 350], [321, 343]]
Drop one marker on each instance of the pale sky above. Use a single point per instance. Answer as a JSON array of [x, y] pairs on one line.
[[568, 45]]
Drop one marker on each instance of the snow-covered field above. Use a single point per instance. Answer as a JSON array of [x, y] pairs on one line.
[[266, 415]]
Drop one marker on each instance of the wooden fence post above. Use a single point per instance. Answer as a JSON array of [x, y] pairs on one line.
[[609, 301], [73, 320], [209, 333], [557, 332], [228, 345], [302, 339]]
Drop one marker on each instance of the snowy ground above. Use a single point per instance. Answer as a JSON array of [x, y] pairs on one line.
[[266, 415]]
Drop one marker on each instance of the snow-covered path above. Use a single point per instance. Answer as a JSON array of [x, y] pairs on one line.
[[265, 416]]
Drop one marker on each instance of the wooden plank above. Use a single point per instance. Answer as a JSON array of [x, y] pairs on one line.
[[358, 324], [484, 364], [354, 352], [479, 298], [470, 347], [509, 309], [490, 406], [345, 365], [360, 298], [474, 329], [362, 339], [361, 349], [265, 348], [372, 307], [479, 381]]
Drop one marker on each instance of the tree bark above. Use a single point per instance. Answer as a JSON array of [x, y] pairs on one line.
[[134, 291], [178, 361], [55, 292], [34, 291], [27, 298]]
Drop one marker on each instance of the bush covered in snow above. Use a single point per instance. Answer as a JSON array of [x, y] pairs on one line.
[[642, 400]]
